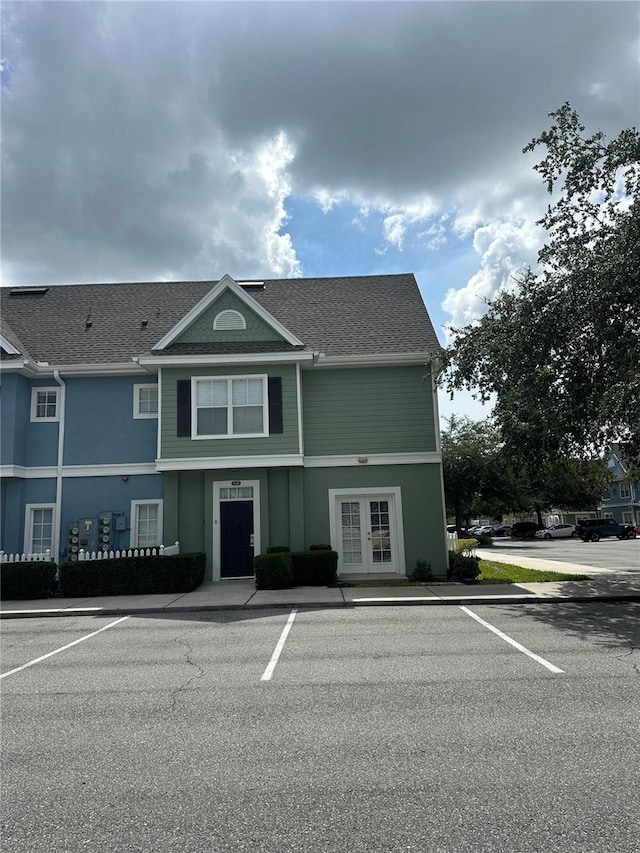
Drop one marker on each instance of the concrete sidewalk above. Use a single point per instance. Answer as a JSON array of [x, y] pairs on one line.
[[602, 585]]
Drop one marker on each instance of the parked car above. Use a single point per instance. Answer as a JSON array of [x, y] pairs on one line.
[[501, 530], [558, 531], [483, 530], [524, 529], [595, 529]]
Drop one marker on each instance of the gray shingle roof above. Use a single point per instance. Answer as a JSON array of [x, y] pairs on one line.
[[354, 315]]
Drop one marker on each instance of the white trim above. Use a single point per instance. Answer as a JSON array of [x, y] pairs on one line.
[[299, 408], [222, 484], [7, 346], [372, 359], [38, 389], [230, 358], [229, 407], [28, 525], [133, 521], [369, 492], [45, 472], [225, 283], [372, 459], [137, 388], [159, 429], [219, 463]]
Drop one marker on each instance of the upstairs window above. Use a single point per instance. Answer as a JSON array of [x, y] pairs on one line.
[[229, 320], [145, 401], [44, 404], [625, 491], [230, 407]]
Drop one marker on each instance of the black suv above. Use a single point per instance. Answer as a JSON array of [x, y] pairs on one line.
[[594, 529]]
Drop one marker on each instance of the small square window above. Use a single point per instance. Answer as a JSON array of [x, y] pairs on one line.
[[145, 401], [44, 404]]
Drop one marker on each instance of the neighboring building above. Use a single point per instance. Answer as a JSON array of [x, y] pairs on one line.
[[227, 416], [623, 502]]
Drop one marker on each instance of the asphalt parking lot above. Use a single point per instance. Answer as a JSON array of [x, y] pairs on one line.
[[620, 556], [484, 728]]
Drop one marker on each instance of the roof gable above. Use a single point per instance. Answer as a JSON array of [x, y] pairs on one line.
[[197, 325]]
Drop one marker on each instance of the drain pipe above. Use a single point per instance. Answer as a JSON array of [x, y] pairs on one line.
[[55, 545]]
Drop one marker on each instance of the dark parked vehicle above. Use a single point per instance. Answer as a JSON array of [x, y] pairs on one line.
[[525, 529], [594, 529], [501, 530]]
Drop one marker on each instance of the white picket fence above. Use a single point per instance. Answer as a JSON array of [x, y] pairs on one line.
[[26, 558], [161, 550], [452, 541]]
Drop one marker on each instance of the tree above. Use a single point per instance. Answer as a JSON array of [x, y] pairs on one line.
[[561, 353]]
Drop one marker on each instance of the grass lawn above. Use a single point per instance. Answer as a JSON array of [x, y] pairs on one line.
[[491, 572]]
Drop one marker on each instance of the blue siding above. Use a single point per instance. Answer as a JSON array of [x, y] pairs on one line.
[[87, 497], [100, 428], [14, 419]]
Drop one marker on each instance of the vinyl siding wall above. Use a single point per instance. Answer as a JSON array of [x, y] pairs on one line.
[[368, 410], [173, 447]]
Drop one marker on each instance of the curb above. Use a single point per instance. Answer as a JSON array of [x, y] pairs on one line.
[[378, 602]]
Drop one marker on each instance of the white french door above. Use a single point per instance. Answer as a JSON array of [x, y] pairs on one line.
[[366, 532]]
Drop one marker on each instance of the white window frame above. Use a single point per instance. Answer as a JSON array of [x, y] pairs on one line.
[[137, 414], [50, 389], [229, 380], [135, 505], [28, 526], [625, 492], [627, 518]]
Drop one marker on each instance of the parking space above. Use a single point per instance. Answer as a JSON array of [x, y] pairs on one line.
[[609, 554]]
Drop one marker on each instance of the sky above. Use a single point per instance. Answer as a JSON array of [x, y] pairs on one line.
[[150, 141]]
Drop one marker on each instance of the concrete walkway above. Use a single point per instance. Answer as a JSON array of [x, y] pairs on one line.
[[602, 585]]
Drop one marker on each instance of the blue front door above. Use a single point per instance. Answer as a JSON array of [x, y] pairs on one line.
[[236, 539]]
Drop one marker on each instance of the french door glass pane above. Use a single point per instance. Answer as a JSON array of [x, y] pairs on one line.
[[351, 532], [380, 531]]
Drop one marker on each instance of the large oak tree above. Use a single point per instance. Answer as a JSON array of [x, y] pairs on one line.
[[561, 353]]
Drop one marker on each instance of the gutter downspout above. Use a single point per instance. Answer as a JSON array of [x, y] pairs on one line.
[[61, 432]]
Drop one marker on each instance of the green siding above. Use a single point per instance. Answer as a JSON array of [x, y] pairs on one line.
[[368, 410], [173, 447], [423, 517], [201, 330]]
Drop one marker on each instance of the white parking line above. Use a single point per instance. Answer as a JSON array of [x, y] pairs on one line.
[[62, 648], [513, 643], [266, 675]]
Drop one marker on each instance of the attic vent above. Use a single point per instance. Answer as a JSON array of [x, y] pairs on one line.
[[28, 291], [229, 319], [252, 285]]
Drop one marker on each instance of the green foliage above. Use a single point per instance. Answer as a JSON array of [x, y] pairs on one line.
[[273, 571], [561, 353], [321, 547], [484, 541], [466, 546], [317, 567], [278, 549], [463, 567], [422, 572], [133, 575], [27, 580]]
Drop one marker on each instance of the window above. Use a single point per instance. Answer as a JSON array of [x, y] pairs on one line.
[[145, 401], [44, 404], [230, 319], [627, 518], [38, 528], [146, 524], [625, 491], [226, 407]]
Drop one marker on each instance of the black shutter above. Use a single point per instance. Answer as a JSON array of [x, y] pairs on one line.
[[184, 407], [275, 405]]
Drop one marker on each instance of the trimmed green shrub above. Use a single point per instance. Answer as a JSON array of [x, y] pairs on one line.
[[484, 541], [273, 571], [278, 549], [466, 546], [27, 580], [319, 547], [422, 572], [463, 567], [132, 575], [317, 567]]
